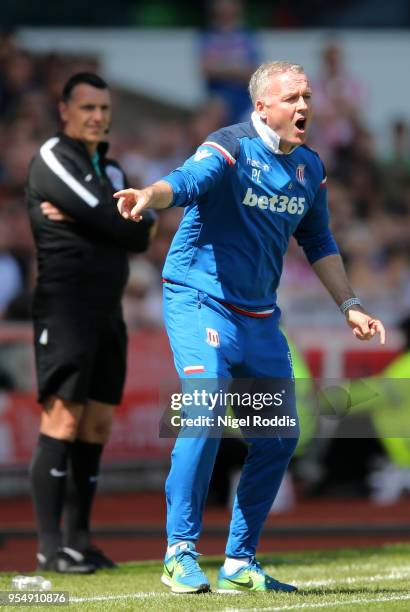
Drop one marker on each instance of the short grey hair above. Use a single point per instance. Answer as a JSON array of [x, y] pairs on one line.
[[258, 81]]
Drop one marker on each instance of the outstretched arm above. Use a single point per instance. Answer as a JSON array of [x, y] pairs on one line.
[[131, 202], [332, 275], [185, 184]]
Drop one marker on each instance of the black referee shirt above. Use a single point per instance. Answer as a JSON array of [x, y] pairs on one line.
[[83, 261]]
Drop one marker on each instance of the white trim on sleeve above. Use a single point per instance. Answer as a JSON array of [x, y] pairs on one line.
[[229, 158], [57, 167]]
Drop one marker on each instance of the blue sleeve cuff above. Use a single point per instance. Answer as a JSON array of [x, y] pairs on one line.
[[322, 246], [183, 187]]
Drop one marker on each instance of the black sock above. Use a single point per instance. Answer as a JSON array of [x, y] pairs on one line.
[[85, 468], [48, 471]]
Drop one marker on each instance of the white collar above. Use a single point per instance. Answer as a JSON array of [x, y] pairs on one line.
[[269, 136]]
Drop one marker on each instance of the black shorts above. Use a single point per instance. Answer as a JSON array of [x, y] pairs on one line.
[[80, 356]]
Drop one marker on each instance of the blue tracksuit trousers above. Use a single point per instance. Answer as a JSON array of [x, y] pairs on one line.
[[212, 345]]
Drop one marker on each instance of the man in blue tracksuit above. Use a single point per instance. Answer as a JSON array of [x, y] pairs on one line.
[[247, 189]]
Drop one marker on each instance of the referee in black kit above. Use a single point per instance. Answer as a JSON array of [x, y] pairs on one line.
[[79, 332]]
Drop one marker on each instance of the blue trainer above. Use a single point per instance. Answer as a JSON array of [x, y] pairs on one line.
[[250, 577], [182, 572]]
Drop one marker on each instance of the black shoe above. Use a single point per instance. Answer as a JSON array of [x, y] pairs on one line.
[[96, 557], [65, 561]]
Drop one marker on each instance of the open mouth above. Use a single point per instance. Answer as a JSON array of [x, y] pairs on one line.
[[301, 124]]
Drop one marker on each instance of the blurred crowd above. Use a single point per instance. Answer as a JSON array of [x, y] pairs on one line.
[[369, 191]]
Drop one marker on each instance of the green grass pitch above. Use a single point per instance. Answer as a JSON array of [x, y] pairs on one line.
[[342, 580]]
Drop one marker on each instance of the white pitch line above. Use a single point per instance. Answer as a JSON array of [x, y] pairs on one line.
[[393, 575], [320, 605], [352, 566], [144, 595]]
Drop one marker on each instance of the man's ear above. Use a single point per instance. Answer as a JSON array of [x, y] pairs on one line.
[[62, 109], [261, 109]]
